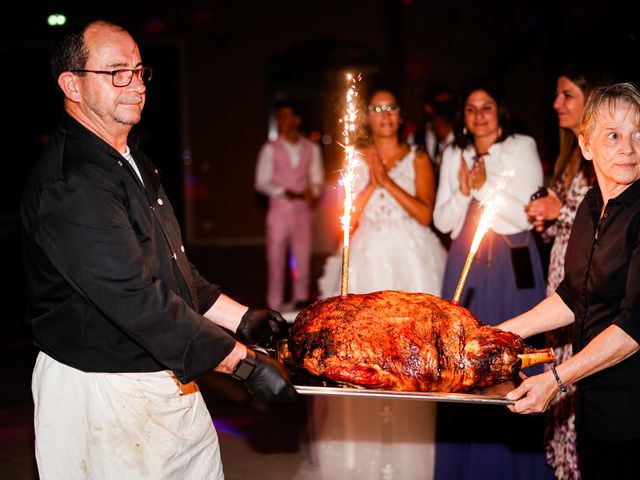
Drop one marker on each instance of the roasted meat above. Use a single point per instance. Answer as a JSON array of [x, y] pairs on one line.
[[406, 341]]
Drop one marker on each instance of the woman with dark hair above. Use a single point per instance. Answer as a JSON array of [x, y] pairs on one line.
[[486, 155], [553, 215], [488, 162]]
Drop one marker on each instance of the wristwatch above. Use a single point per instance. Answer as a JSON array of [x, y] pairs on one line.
[[245, 367]]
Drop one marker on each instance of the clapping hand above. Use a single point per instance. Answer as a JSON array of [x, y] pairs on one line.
[[471, 179], [378, 171], [478, 174]]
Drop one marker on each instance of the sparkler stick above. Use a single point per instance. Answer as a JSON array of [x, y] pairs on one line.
[[483, 226], [348, 176]]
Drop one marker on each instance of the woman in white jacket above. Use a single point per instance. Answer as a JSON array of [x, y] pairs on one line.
[[488, 162]]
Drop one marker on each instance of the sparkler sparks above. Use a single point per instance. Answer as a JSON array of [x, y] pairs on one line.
[[348, 174], [490, 207]]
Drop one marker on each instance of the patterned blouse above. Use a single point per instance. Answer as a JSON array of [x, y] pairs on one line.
[[571, 198]]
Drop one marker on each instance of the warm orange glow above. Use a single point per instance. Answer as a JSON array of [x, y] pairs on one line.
[[348, 174], [490, 208]]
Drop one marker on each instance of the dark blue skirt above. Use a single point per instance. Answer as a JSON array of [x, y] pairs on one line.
[[491, 291], [478, 442]]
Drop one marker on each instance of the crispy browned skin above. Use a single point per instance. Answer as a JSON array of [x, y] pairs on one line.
[[402, 341]]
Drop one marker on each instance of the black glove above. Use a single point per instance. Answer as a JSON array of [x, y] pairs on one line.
[[269, 380], [261, 326]]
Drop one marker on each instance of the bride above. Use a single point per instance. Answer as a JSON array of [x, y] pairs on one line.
[[392, 248]]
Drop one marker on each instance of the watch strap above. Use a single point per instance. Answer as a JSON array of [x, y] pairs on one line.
[[244, 367]]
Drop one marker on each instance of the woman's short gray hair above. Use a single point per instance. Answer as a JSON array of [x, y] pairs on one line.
[[608, 97]]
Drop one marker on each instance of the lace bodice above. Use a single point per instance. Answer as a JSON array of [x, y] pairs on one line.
[[376, 261], [382, 209]]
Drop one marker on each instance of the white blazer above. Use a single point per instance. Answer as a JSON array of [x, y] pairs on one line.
[[517, 155]]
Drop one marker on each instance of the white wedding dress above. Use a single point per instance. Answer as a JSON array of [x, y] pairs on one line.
[[367, 438], [390, 250]]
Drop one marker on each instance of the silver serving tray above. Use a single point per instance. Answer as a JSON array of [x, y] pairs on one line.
[[306, 384], [427, 396]]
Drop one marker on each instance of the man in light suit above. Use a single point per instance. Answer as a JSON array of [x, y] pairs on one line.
[[290, 173]]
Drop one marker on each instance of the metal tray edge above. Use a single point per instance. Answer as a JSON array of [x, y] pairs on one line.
[[428, 396]]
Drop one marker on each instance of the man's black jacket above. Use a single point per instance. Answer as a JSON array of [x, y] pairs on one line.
[[110, 288]]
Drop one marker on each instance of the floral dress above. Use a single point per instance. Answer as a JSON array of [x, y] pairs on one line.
[[560, 432]]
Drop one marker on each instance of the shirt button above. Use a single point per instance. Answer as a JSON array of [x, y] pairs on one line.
[[175, 257], [160, 202], [605, 215], [182, 248]]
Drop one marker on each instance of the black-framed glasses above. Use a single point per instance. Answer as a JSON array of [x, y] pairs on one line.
[[122, 77], [379, 109]]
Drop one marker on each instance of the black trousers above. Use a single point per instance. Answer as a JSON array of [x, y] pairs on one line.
[[600, 460]]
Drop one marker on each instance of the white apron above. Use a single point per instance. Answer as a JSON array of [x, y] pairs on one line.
[[120, 426]]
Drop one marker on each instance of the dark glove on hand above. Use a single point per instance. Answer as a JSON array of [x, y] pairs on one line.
[[269, 381], [262, 326]]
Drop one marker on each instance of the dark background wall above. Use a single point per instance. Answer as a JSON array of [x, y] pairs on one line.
[[218, 67]]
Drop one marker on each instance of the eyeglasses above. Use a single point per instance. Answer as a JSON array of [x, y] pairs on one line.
[[379, 109], [123, 77]]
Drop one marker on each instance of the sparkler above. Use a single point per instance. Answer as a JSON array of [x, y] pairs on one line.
[[348, 176], [490, 208]]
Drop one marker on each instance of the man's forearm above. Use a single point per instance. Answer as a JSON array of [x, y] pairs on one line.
[[226, 312], [230, 361]]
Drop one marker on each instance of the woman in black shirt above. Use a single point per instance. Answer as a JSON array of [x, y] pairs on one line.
[[601, 294]]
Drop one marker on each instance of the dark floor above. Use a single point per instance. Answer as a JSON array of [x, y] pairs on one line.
[[256, 440]]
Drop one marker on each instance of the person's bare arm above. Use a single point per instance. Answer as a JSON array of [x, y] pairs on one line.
[[421, 205], [230, 361], [361, 200], [609, 348], [549, 314], [226, 312]]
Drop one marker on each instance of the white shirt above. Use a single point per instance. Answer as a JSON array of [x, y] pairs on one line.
[[517, 154], [127, 156], [264, 168], [430, 140], [435, 147], [442, 146]]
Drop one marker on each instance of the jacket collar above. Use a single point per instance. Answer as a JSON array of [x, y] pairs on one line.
[[149, 173], [71, 125]]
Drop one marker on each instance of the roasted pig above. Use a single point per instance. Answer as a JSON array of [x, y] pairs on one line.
[[406, 341]]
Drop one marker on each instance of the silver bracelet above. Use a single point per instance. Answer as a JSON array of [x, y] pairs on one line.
[[563, 389]]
